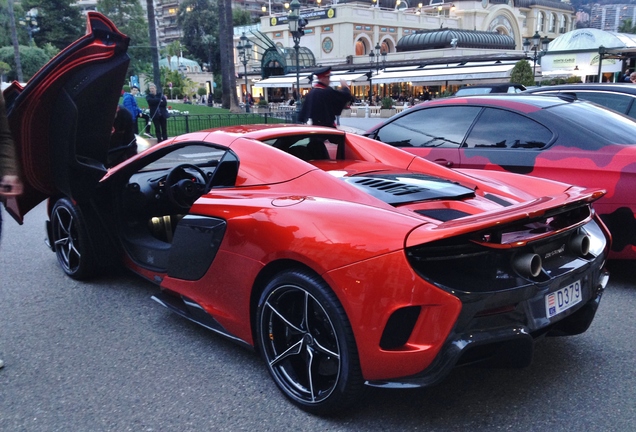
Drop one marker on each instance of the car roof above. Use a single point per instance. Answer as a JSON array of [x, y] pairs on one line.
[[522, 102], [495, 85], [610, 87]]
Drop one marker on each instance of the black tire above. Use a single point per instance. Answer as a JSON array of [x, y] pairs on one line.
[[307, 343], [71, 243]]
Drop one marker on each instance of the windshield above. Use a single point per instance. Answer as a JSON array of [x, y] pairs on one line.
[[607, 125]]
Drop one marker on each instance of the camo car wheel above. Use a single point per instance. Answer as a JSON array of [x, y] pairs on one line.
[[307, 342]]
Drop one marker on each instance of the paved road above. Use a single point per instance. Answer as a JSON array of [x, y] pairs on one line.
[[101, 356]]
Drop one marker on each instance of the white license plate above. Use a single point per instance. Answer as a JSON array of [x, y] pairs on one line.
[[563, 299]]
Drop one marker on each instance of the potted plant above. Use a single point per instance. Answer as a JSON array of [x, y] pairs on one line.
[[262, 106], [386, 109]]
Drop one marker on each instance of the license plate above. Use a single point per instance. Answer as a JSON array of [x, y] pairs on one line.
[[563, 299]]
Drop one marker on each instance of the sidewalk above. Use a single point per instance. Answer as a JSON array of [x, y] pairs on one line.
[[363, 124]]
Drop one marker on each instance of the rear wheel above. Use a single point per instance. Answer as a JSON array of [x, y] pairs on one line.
[[307, 342], [70, 240]]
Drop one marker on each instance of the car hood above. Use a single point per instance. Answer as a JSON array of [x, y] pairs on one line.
[[62, 119]]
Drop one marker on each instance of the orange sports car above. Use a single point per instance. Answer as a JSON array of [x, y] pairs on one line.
[[341, 260]]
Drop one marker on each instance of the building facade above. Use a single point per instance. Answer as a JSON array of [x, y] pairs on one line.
[[345, 35], [610, 17]]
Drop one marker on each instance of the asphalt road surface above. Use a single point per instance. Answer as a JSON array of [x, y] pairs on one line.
[[102, 356]]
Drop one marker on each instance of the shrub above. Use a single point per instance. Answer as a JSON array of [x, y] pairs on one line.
[[387, 103]]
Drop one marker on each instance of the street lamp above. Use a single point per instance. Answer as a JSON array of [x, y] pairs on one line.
[[245, 54], [374, 57], [538, 46], [296, 25], [31, 24]]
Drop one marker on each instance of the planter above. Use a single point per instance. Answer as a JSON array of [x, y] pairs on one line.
[[386, 113], [361, 112]]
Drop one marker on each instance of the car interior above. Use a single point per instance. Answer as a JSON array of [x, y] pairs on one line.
[[157, 196]]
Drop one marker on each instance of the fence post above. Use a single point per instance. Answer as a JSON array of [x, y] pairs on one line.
[[187, 123]]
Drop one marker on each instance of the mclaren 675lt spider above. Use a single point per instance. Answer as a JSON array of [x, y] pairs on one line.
[[341, 260]]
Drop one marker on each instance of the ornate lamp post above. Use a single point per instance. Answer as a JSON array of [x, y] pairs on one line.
[[31, 23], [374, 57], [538, 46], [244, 48], [296, 30]]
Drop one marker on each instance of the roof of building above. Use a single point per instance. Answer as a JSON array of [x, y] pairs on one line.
[[446, 38], [591, 39]]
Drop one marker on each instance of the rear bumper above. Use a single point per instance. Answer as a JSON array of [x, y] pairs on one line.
[[508, 341]]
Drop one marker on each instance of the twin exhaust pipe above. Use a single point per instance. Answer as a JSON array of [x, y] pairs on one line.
[[531, 264]]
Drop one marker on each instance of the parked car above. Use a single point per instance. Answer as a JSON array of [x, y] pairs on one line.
[[334, 256], [619, 97], [480, 89], [545, 136]]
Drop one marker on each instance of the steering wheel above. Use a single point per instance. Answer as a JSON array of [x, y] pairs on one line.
[[185, 183]]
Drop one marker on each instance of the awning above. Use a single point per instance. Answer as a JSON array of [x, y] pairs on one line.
[[284, 81], [461, 73], [335, 77], [289, 80]]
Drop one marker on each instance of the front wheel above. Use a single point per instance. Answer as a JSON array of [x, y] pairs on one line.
[[306, 340], [70, 240]]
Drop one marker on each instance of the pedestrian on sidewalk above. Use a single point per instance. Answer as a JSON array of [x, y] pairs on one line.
[[324, 103], [10, 184], [130, 103], [158, 105]]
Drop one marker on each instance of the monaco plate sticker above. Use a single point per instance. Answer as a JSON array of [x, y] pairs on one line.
[[563, 299]]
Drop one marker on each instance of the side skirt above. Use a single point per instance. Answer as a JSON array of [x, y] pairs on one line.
[[192, 311]]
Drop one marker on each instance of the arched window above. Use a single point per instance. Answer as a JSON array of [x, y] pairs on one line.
[[541, 23], [563, 24], [361, 48], [553, 19]]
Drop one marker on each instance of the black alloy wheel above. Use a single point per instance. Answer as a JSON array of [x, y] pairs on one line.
[[307, 342], [70, 240]]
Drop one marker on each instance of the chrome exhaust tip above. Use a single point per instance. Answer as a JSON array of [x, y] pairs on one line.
[[528, 265]]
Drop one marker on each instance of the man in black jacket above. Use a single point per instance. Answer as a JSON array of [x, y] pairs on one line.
[[323, 103]]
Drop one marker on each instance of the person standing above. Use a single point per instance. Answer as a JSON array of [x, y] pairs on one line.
[[130, 103], [10, 184], [158, 105], [123, 143], [324, 103]]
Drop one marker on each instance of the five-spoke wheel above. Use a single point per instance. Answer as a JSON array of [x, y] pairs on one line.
[[70, 240], [307, 342]]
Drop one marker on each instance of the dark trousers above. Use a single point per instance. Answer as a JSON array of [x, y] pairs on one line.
[[161, 128], [146, 118]]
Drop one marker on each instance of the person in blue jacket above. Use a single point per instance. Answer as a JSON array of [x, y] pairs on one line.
[[130, 103]]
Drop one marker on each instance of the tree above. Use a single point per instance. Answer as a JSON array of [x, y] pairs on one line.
[[627, 26], [241, 17], [59, 22], [154, 48], [32, 59], [129, 18], [4, 68], [16, 44], [522, 73], [226, 46], [198, 19]]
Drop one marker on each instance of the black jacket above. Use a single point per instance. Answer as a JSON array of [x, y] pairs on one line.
[[323, 104]]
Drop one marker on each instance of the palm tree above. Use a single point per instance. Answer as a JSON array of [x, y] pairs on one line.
[[226, 48], [16, 44], [152, 30]]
